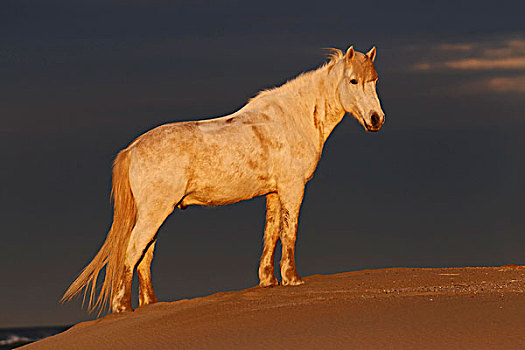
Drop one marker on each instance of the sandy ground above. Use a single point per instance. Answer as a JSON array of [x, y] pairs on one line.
[[401, 308]]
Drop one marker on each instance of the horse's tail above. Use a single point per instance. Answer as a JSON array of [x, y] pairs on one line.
[[112, 254]]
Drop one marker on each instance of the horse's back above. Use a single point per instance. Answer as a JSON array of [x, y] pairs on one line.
[[215, 162]]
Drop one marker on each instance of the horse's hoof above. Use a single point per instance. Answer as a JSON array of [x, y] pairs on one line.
[[120, 309], [123, 311], [294, 282], [269, 283]]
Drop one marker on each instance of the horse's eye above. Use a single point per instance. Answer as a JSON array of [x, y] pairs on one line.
[[353, 81]]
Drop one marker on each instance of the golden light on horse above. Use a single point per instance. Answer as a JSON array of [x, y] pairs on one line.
[[270, 147]]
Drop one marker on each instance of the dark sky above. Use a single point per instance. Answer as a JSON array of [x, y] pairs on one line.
[[440, 185]]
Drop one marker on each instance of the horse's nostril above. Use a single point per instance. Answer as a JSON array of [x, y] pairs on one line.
[[375, 119]]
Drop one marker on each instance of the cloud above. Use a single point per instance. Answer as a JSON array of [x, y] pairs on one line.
[[487, 63], [508, 85], [490, 55], [488, 66], [511, 85], [456, 47]]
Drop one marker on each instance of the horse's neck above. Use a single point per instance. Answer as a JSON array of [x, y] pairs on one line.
[[311, 101], [323, 109]]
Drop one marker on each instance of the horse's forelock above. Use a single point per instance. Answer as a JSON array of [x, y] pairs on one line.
[[364, 67], [362, 64]]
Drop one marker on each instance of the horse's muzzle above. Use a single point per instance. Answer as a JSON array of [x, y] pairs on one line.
[[376, 122]]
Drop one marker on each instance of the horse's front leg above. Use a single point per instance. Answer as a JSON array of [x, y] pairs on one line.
[[291, 198], [146, 293], [271, 236]]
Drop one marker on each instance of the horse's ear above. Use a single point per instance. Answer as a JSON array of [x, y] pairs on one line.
[[372, 54], [349, 53]]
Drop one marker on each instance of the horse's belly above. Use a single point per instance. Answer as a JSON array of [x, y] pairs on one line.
[[227, 191]]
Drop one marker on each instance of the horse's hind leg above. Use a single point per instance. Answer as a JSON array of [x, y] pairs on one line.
[[150, 217], [291, 198], [271, 236], [146, 293]]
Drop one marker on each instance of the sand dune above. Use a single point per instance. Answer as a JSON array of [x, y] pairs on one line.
[[401, 308]]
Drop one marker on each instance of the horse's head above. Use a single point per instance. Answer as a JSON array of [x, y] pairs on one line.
[[357, 89]]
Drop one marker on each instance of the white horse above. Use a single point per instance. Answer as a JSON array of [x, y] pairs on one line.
[[270, 148]]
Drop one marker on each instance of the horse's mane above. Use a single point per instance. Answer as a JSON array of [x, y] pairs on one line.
[[334, 55]]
